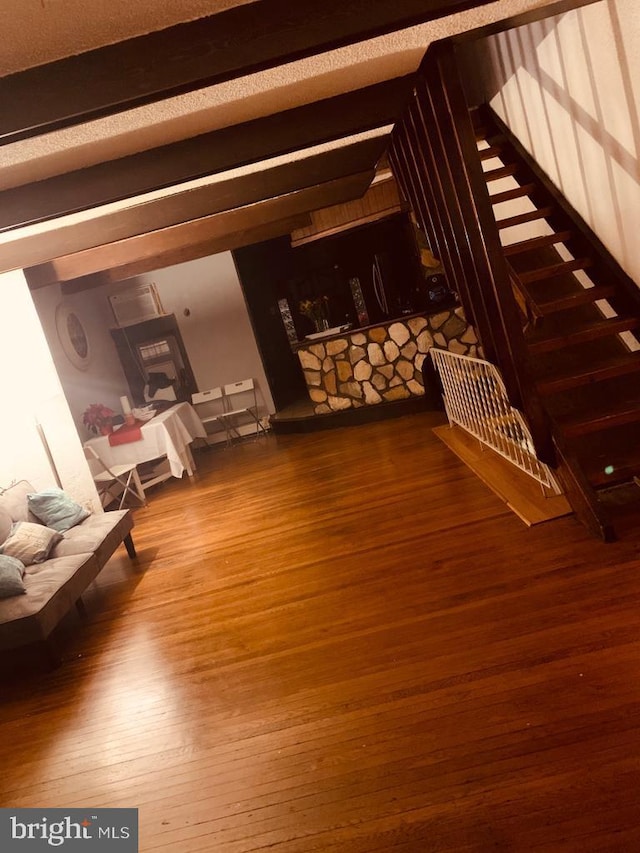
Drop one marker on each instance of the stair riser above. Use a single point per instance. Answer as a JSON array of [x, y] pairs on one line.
[[509, 195], [629, 417], [620, 476], [547, 389], [591, 295], [498, 174], [489, 153], [536, 243], [553, 272], [581, 337], [523, 218]]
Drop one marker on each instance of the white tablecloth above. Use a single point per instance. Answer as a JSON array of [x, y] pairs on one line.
[[168, 434]]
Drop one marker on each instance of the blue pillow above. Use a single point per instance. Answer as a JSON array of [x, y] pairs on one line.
[[11, 572], [56, 509]]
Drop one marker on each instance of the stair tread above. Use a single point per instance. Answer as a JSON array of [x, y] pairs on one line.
[[580, 297], [597, 406], [543, 288], [509, 195], [565, 375], [541, 340], [610, 456], [537, 242], [598, 421], [487, 133], [521, 218], [554, 270], [502, 172], [490, 152], [479, 127]]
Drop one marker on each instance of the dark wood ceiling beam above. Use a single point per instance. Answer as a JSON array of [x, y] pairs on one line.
[[209, 229], [192, 55], [207, 154], [24, 251], [188, 252]]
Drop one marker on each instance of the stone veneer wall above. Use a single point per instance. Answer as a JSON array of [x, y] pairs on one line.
[[382, 363]]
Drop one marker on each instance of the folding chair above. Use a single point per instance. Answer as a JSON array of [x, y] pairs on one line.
[[209, 406], [108, 479], [231, 417]]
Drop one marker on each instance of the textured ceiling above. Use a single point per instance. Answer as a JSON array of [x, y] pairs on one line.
[[238, 100], [40, 31]]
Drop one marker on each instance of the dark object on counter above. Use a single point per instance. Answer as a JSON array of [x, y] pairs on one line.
[[157, 381], [434, 292], [433, 389]]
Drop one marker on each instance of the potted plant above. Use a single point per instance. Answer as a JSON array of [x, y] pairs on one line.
[[98, 418], [317, 310]]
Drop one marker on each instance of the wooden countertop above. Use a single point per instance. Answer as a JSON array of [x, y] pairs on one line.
[[355, 329]]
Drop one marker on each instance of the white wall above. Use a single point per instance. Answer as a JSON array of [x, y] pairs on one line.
[[103, 381], [31, 389], [217, 332], [569, 88]]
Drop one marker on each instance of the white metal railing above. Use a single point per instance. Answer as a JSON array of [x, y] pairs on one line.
[[475, 398]]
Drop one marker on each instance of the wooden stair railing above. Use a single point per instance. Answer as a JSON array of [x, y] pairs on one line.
[[581, 316], [434, 156], [551, 307]]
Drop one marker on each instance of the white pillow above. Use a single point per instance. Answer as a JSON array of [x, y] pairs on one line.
[[30, 543]]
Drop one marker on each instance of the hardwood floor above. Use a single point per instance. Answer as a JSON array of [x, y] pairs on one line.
[[344, 642]]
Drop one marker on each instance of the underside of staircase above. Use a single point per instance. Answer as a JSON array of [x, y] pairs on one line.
[[580, 316]]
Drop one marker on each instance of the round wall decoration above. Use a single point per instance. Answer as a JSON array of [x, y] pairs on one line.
[[73, 337]]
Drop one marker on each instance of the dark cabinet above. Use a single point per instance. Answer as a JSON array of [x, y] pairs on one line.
[[262, 269], [382, 256]]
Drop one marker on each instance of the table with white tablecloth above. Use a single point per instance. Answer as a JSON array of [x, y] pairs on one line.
[[168, 434]]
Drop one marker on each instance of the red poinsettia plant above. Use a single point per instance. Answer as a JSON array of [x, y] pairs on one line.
[[97, 416]]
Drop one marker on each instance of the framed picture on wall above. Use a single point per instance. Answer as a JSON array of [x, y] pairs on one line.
[[73, 337]]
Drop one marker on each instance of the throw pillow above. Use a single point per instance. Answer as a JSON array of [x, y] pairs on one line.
[[56, 509], [11, 572], [6, 523], [30, 543]]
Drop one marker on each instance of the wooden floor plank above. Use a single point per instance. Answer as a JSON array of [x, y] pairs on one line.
[[343, 642]]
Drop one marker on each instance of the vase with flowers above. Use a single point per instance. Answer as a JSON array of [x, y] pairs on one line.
[[317, 310], [98, 418]]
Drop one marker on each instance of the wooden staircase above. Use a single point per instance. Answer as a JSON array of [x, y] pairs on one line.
[[581, 323]]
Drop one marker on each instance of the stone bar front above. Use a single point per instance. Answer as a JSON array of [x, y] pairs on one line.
[[381, 363]]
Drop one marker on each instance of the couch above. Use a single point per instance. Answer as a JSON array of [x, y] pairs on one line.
[[54, 586]]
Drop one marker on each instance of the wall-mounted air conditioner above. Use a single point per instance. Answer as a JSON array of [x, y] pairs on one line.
[[136, 304]]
